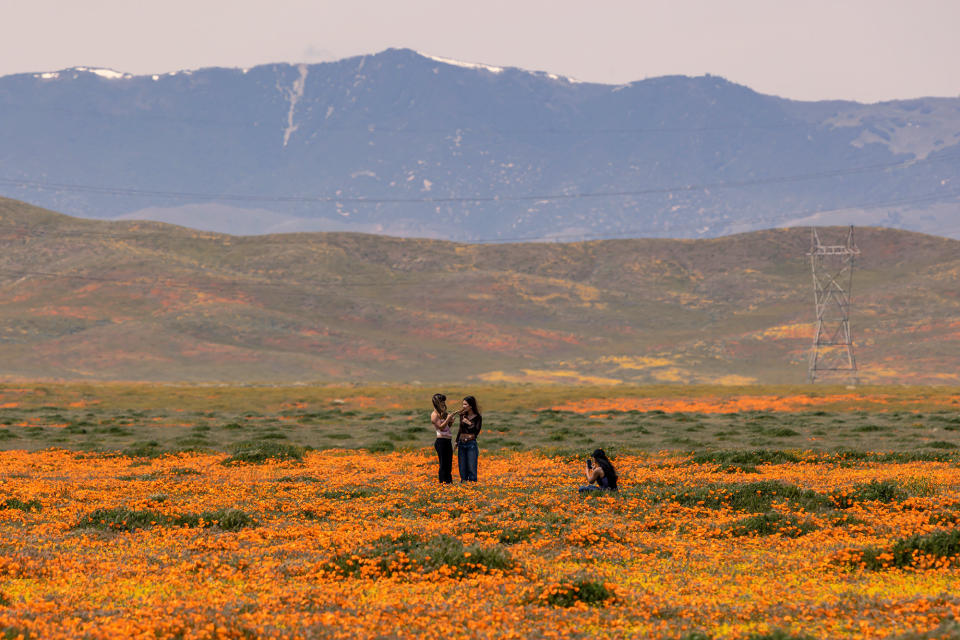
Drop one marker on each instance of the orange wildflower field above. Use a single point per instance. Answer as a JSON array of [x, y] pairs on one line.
[[350, 544]]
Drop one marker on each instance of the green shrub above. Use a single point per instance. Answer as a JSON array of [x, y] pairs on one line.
[[307, 479], [770, 523], [752, 497], [948, 629], [143, 449], [742, 467], [121, 519], [517, 534], [940, 444], [780, 432], [348, 494], [847, 455], [124, 519], [944, 518], [258, 452], [756, 456], [22, 505], [227, 519], [381, 446], [885, 491], [409, 553], [592, 592], [906, 552], [777, 634]]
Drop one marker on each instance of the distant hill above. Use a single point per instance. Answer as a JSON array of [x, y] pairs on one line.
[[84, 299], [405, 144]]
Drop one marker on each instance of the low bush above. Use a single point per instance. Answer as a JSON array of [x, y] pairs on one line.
[[848, 456], [124, 519], [514, 535], [22, 505], [771, 523], [259, 452], [885, 491], [754, 457], [780, 432], [918, 551], [381, 446], [948, 629], [408, 553], [588, 591], [348, 494], [752, 497], [778, 634], [144, 449]]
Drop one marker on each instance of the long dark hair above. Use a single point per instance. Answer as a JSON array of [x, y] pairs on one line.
[[470, 400], [439, 398], [604, 463]]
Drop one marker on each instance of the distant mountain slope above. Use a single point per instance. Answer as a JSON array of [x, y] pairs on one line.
[[409, 145], [83, 299]]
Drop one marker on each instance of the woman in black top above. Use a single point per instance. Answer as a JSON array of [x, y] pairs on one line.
[[467, 452], [600, 471]]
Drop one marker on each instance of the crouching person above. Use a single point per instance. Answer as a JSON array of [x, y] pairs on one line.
[[601, 476]]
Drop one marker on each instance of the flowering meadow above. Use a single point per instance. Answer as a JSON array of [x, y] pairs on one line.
[[350, 544]]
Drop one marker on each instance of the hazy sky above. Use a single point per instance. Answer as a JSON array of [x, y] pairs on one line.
[[866, 50]]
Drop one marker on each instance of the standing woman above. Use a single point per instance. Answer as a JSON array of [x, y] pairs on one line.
[[467, 452], [441, 421]]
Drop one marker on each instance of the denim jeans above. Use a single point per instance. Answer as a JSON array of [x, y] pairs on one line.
[[445, 458], [467, 453]]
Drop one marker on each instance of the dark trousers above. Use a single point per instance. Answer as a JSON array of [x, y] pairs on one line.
[[467, 453], [445, 456]]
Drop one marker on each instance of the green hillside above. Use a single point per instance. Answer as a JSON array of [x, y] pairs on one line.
[[84, 299]]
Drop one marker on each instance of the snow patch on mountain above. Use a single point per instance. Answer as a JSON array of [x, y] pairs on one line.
[[294, 93], [110, 74], [466, 65]]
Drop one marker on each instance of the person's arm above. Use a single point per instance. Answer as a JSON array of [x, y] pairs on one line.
[[438, 424], [477, 424], [594, 474]]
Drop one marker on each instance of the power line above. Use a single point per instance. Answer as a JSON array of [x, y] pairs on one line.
[[235, 241], [183, 195], [373, 129]]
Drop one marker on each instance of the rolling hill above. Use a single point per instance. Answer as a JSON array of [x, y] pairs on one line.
[[86, 299]]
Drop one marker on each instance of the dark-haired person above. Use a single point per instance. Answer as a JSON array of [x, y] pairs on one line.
[[600, 473], [467, 452], [441, 421]]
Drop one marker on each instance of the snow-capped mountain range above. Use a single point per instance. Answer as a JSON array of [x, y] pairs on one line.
[[409, 144]]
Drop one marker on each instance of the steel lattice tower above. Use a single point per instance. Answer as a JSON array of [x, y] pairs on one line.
[[832, 267]]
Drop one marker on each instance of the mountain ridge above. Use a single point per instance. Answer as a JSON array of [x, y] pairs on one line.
[[400, 143]]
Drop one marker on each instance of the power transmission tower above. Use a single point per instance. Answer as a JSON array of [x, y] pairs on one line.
[[832, 350]]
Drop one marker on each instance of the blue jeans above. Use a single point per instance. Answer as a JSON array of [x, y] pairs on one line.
[[467, 453]]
